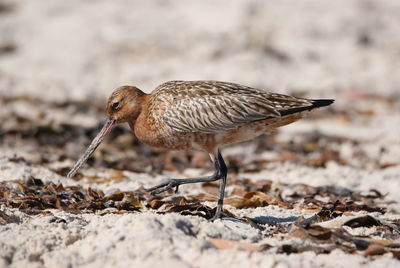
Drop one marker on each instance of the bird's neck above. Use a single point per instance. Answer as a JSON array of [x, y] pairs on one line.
[[140, 109]]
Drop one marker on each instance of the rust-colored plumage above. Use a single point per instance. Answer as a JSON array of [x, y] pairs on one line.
[[199, 115]]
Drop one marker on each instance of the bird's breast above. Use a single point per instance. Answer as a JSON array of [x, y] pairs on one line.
[[154, 132]]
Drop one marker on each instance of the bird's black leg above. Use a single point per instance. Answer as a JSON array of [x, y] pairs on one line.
[[220, 173], [223, 172]]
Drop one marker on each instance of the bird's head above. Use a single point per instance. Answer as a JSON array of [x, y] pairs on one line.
[[124, 105]]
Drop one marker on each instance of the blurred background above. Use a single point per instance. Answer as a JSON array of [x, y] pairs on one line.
[[78, 50], [60, 60]]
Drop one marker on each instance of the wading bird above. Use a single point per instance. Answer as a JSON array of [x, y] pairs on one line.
[[199, 115]]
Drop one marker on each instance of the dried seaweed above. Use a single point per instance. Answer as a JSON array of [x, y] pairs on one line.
[[32, 195]]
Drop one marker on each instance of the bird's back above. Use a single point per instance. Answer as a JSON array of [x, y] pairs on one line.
[[213, 106]]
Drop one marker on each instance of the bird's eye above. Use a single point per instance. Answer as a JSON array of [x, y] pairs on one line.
[[115, 105]]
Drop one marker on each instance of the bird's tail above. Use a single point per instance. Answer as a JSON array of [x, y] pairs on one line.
[[314, 104], [321, 102]]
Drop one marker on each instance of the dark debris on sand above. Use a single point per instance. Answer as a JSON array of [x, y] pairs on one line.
[[33, 196]]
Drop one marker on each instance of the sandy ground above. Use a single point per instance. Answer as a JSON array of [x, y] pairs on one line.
[[56, 52]]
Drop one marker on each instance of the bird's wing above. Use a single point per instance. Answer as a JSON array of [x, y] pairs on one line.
[[210, 106]]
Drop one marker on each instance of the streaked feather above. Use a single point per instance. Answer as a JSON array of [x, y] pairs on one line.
[[211, 106]]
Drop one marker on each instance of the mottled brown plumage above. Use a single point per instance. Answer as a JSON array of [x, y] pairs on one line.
[[199, 115]]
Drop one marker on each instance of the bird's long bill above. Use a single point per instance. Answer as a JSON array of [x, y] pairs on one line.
[[108, 126]]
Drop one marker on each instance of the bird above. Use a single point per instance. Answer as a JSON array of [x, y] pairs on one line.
[[199, 115]]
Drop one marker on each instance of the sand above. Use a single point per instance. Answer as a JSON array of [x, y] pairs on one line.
[[78, 51]]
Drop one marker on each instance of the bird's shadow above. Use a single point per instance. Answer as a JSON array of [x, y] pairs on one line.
[[265, 220], [270, 220]]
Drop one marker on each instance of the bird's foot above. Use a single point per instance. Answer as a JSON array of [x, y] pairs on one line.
[[218, 216], [219, 213], [165, 186]]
